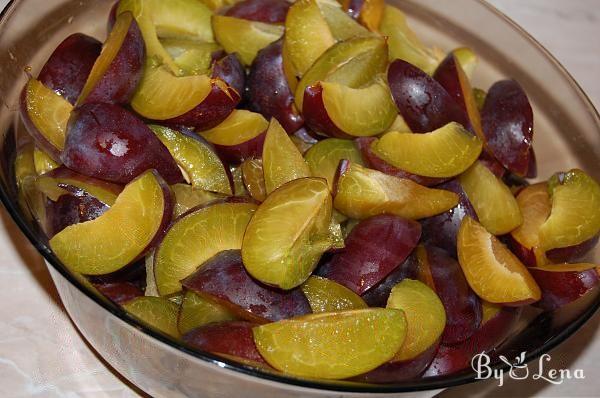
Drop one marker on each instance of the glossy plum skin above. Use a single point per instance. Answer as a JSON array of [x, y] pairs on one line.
[[230, 338], [442, 230], [107, 142], [224, 279], [69, 66], [375, 162], [422, 101], [463, 307], [120, 80], [230, 69], [211, 112], [378, 295], [507, 120], [562, 288], [119, 292], [72, 209], [267, 11], [573, 253], [374, 248], [268, 90]]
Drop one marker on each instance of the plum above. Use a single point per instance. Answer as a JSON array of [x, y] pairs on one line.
[[69, 66], [304, 140], [196, 311], [325, 295], [233, 338], [324, 157], [368, 12], [119, 292], [269, 92], [43, 162], [224, 279], [70, 210], [158, 312], [378, 295], [105, 141], [188, 198], [267, 11], [231, 71], [118, 70], [422, 101], [563, 284], [191, 57], [342, 25], [374, 248], [254, 180], [507, 120], [62, 180]]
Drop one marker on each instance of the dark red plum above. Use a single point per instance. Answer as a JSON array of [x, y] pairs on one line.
[[72, 209], [378, 295], [424, 104], [492, 164], [268, 90], [230, 69], [374, 249], [507, 120], [224, 279], [119, 292], [107, 142], [233, 338], [267, 11], [315, 114], [236, 154], [572, 254], [69, 66], [562, 288]]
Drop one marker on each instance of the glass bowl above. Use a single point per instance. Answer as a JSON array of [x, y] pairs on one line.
[[567, 136]]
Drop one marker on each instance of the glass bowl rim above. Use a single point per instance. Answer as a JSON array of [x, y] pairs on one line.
[[433, 383]]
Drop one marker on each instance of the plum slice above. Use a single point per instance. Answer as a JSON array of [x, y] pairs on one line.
[[232, 338], [493, 272], [282, 162], [188, 198], [71, 209], [45, 115], [158, 312], [118, 70], [575, 215], [239, 137], [201, 164], [336, 110], [267, 11], [507, 120], [69, 66], [192, 57], [428, 154], [269, 91], [254, 180], [107, 142], [213, 228], [368, 12], [361, 193], [244, 37], [422, 101], [119, 292], [404, 43], [342, 25], [141, 212], [325, 156], [289, 233], [43, 162], [311, 346], [325, 295], [307, 35], [494, 203], [378, 295], [230, 69], [224, 280], [196, 311], [374, 249]]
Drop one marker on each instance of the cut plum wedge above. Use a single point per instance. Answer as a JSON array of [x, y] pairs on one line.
[[192, 57], [214, 228], [404, 43], [107, 142], [361, 193], [494, 203], [493, 272], [187, 198], [118, 70], [430, 155], [307, 35], [240, 136], [267, 11], [311, 346], [200, 163], [468, 61], [223, 279], [374, 249], [254, 179], [368, 12], [142, 212], [352, 63], [230, 69], [244, 37], [324, 157], [325, 295], [336, 110], [196, 311], [289, 233], [45, 115], [282, 162], [63, 181], [563, 284], [159, 313], [342, 25], [425, 317], [43, 162], [575, 215]]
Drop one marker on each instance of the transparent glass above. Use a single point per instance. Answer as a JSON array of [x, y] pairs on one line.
[[567, 135]]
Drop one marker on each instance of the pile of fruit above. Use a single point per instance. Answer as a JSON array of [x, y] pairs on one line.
[[304, 187]]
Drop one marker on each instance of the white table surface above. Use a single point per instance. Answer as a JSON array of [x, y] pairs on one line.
[[42, 355]]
